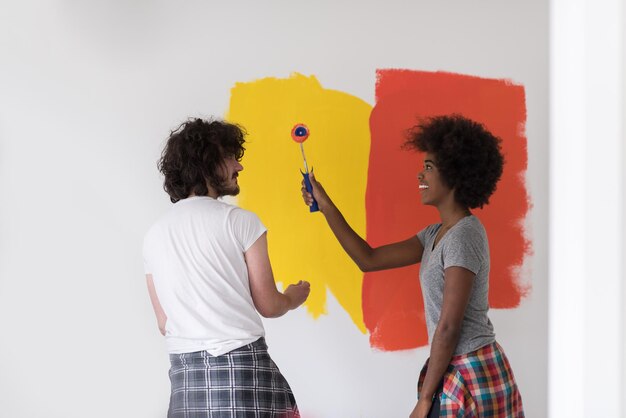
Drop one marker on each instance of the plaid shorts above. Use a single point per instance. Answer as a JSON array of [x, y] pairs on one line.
[[244, 383], [479, 384]]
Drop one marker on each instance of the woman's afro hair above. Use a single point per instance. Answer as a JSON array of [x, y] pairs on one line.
[[468, 156]]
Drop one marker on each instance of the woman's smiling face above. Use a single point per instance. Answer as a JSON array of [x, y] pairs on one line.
[[431, 185]]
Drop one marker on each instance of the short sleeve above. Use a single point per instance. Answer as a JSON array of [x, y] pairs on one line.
[[246, 227], [427, 234], [466, 249], [422, 236], [146, 265]]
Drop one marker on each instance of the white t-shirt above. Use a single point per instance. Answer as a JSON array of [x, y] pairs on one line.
[[195, 254]]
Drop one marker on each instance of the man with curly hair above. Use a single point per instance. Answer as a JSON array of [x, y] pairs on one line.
[[467, 373], [209, 277]]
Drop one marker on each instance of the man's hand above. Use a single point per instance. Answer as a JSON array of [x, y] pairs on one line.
[[298, 293], [268, 301]]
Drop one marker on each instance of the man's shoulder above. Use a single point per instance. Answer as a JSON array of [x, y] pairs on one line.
[[201, 206], [239, 214]]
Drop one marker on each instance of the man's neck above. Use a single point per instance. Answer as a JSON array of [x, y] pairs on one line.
[[211, 192]]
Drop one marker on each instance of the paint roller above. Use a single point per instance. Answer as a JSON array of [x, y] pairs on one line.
[[300, 133]]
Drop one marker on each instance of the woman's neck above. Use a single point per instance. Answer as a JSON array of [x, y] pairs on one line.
[[451, 214]]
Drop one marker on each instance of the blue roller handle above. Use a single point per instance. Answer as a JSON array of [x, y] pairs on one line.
[[309, 188]]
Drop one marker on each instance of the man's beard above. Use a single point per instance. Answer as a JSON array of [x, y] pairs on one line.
[[223, 189]]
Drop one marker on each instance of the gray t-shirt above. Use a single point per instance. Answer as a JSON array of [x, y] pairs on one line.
[[464, 245]]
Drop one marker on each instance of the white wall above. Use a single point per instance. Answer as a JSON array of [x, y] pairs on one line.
[[622, 393], [587, 229], [88, 92]]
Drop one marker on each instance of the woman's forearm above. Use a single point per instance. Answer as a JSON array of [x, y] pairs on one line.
[[355, 246], [441, 350], [393, 255]]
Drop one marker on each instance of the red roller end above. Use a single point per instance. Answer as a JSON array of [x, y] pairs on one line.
[[300, 133]]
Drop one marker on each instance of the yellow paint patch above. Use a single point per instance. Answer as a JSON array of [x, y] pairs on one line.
[[301, 245]]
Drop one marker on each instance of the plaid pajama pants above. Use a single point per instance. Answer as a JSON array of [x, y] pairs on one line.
[[244, 383]]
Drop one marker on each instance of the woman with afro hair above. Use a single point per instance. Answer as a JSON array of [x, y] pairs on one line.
[[467, 373]]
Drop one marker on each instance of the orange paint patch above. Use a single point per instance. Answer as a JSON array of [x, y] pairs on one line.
[[393, 308]]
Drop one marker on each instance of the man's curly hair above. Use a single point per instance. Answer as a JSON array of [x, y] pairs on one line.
[[468, 156], [194, 154]]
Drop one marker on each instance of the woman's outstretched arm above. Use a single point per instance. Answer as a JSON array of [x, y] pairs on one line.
[[399, 254]]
